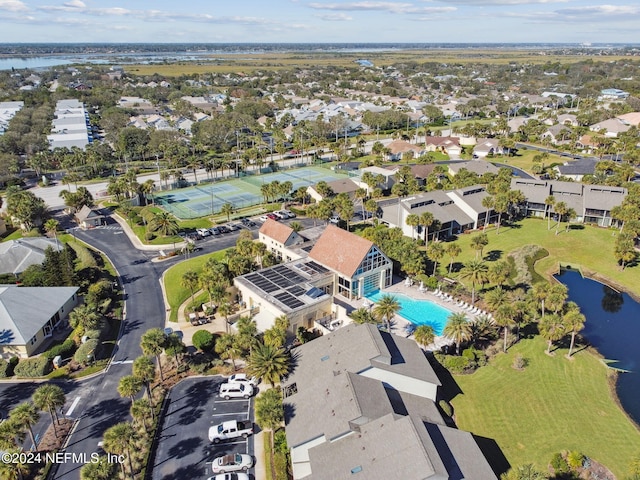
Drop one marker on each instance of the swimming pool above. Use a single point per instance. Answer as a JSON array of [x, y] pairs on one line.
[[418, 312]]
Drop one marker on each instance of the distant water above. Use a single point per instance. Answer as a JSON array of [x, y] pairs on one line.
[[613, 328]]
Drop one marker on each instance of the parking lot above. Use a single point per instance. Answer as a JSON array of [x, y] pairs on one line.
[[184, 450]]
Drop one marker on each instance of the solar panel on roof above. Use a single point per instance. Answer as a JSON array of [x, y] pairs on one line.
[[314, 293], [289, 300], [317, 267], [296, 290]]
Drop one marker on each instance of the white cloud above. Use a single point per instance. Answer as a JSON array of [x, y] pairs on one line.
[[13, 5], [391, 7], [482, 3], [75, 4], [334, 17]]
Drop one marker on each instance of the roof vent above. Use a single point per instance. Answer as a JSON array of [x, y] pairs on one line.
[[325, 358], [357, 469]]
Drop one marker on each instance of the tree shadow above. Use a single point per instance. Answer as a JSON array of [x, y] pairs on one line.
[[493, 255]]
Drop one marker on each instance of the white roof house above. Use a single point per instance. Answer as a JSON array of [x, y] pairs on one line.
[[17, 255]]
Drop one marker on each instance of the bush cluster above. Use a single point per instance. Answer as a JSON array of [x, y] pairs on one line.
[[65, 350], [524, 258], [82, 354], [33, 367], [6, 368]]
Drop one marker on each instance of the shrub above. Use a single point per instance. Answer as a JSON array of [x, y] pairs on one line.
[[148, 236], [4, 368], [203, 340], [33, 367], [456, 364], [469, 353], [519, 362], [95, 334], [98, 292], [432, 283], [65, 350], [446, 408], [84, 255], [86, 352], [559, 464]]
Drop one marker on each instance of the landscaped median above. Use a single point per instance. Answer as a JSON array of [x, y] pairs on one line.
[[552, 404]]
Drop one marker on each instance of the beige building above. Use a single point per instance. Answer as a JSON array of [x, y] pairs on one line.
[[28, 316], [279, 239]]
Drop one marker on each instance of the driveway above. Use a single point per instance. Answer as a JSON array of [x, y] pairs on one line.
[[184, 450]]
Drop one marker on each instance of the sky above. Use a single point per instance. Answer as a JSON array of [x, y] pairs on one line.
[[333, 21]]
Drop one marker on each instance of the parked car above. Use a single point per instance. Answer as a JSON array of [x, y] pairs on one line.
[[233, 227], [235, 390], [232, 463], [273, 216], [230, 430], [215, 231], [203, 232], [281, 215], [335, 219], [289, 213], [242, 378], [230, 476]]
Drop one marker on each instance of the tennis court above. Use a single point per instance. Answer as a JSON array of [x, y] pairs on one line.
[[208, 198]]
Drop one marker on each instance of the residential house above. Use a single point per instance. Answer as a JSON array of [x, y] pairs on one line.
[[577, 169], [361, 403], [386, 174], [487, 146], [613, 94], [455, 211], [17, 255], [347, 186], [71, 127], [479, 167], [611, 127], [29, 315], [398, 148], [89, 217], [447, 145], [7, 112], [557, 134], [592, 203], [632, 118], [279, 239]]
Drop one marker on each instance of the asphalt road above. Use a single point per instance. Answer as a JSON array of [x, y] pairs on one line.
[[184, 450]]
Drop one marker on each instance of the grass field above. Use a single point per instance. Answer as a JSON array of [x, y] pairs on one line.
[[590, 248], [524, 160], [176, 294], [553, 404], [247, 63]]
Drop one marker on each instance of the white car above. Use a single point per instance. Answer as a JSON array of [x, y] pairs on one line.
[[232, 463], [230, 476], [242, 378], [235, 390], [289, 213], [335, 220], [203, 232]]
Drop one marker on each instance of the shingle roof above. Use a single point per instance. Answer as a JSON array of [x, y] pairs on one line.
[[583, 166], [280, 232], [25, 310], [339, 250], [17, 255], [479, 167]]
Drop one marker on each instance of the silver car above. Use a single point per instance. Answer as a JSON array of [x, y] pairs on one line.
[[232, 463]]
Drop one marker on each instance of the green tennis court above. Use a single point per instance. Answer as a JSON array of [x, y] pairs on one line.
[[208, 198]]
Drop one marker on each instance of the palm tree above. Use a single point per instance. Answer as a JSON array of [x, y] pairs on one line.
[[51, 227], [426, 220], [457, 329], [363, 315], [453, 250], [476, 271], [296, 226], [549, 202], [227, 209], [540, 293], [557, 296], [11, 434], [141, 409], [424, 335], [269, 412], [26, 415], [152, 343], [145, 371], [225, 309], [496, 298], [385, 310], [499, 272], [503, 317], [561, 209], [573, 322], [84, 317], [129, 386], [119, 439], [413, 221], [164, 223], [227, 347], [190, 282], [435, 252], [268, 362], [49, 397], [478, 244], [14, 470], [102, 469], [551, 329]]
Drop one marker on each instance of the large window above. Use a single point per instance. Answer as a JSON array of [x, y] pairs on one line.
[[373, 260]]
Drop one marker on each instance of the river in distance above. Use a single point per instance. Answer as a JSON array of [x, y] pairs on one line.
[[613, 328]]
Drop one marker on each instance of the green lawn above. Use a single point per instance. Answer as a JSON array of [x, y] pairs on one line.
[[588, 247], [524, 160], [176, 294], [553, 404]]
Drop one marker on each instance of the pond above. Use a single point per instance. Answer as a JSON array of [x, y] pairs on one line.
[[613, 328]]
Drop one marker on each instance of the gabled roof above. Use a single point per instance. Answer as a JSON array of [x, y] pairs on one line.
[[17, 255], [25, 310], [479, 167], [280, 232], [401, 146], [339, 250], [87, 212], [582, 166]]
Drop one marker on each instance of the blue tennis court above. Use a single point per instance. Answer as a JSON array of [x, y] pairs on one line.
[[208, 198]]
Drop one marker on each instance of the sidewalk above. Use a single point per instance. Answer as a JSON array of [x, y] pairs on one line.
[[136, 241], [260, 471]]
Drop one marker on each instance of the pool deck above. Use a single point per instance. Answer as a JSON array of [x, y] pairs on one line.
[[400, 324]]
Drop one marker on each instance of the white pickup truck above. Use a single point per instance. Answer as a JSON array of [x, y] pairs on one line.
[[229, 430]]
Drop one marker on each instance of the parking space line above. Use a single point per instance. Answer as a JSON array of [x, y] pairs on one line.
[[245, 441], [234, 401], [225, 414]]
